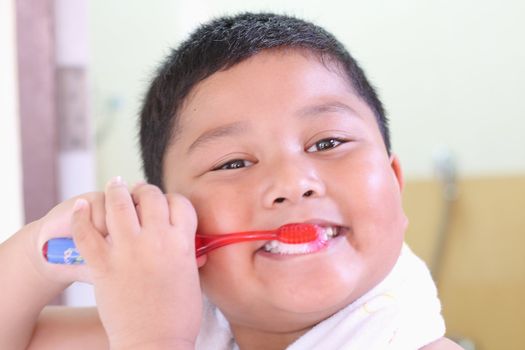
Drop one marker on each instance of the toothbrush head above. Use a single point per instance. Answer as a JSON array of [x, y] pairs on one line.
[[298, 233]]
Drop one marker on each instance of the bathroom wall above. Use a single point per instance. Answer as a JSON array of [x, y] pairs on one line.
[[11, 205], [482, 275]]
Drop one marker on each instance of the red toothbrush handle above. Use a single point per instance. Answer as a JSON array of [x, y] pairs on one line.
[[206, 243]]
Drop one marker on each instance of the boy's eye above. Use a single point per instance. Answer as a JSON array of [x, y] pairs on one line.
[[325, 144], [234, 164]]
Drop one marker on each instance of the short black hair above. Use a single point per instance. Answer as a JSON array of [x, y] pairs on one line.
[[219, 45]]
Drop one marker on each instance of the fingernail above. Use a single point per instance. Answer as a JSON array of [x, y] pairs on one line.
[[116, 181], [137, 184], [79, 204]]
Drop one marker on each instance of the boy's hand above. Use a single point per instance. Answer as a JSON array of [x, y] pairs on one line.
[[145, 276], [57, 223]]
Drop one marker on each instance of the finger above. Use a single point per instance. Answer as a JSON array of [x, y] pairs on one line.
[[121, 217], [151, 204], [184, 218], [57, 221], [202, 260], [137, 206], [89, 241], [182, 213], [98, 211]]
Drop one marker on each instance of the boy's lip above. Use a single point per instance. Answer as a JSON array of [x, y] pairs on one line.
[[322, 223]]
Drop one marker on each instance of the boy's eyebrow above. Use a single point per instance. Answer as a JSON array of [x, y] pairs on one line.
[[333, 106], [221, 131]]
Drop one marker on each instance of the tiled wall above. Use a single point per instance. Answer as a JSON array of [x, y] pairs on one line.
[[482, 279]]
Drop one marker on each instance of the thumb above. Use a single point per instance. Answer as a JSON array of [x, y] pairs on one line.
[[89, 241]]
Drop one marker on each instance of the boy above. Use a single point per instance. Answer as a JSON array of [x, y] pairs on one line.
[[256, 121]]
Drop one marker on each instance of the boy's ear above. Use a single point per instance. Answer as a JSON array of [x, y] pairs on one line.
[[398, 172]]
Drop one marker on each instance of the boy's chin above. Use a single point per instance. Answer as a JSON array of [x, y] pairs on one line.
[[321, 300], [318, 286], [291, 316], [301, 304]]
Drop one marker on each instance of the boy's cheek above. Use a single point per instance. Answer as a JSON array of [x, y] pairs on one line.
[[217, 276], [220, 211]]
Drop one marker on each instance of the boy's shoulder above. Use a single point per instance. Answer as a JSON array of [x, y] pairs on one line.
[[442, 344]]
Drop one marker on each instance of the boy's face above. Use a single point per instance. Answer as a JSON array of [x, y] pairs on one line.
[[280, 138]]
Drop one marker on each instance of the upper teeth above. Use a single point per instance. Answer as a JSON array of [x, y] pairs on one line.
[[330, 231], [277, 247]]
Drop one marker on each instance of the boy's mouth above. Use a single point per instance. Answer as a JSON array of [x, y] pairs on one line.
[[326, 234]]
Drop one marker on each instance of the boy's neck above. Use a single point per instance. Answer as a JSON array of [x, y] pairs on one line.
[[254, 339]]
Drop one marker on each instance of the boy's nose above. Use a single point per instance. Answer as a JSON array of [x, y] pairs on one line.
[[292, 184]]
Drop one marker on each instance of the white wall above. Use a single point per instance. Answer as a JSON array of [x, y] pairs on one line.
[[11, 208], [451, 73]]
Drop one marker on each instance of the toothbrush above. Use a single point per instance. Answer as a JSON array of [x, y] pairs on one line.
[[63, 250], [290, 234]]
